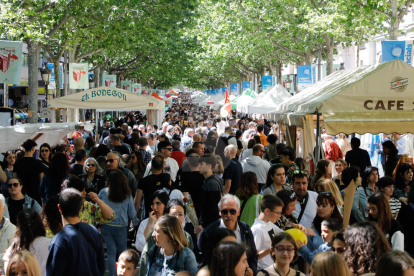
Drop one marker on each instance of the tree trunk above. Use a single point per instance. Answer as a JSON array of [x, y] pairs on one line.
[[394, 22], [33, 63], [96, 75], [357, 61], [279, 72], [329, 54], [72, 59]]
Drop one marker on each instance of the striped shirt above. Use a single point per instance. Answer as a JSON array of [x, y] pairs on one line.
[[395, 205]]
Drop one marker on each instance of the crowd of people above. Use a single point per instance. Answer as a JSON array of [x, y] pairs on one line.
[[202, 195]]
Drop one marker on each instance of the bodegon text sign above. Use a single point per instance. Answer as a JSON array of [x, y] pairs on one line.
[[103, 93]]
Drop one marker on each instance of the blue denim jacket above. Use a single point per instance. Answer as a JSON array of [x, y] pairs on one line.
[[183, 260], [28, 203], [123, 210]]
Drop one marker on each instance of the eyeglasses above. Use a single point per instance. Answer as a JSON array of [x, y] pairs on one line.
[[90, 165], [46, 150], [225, 212], [278, 213], [262, 150], [133, 157], [300, 172], [339, 250], [282, 249], [110, 160], [16, 184], [170, 149], [325, 194]]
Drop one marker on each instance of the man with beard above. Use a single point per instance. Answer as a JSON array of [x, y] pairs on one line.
[[233, 171], [229, 207], [306, 200]]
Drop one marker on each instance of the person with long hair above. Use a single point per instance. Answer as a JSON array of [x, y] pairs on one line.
[[340, 165], [211, 142], [275, 180], [396, 263], [406, 219], [405, 158], [89, 144], [51, 217], [391, 152], [326, 209], [229, 258], [368, 187], [170, 253], [24, 263], [330, 187], [365, 245], [338, 244], [7, 165], [250, 198], [30, 235], [323, 171], [45, 154], [386, 187], [403, 181], [137, 165], [58, 172], [219, 168], [93, 176], [159, 200], [117, 195], [380, 212], [100, 155], [283, 251], [287, 219], [327, 264]]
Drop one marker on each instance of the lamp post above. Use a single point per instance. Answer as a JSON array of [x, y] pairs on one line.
[[342, 66], [288, 83], [46, 73]]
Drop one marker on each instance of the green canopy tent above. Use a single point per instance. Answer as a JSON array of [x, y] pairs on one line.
[[243, 99]]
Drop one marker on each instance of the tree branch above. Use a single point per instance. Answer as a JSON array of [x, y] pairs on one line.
[[287, 49], [58, 25], [375, 10], [89, 54], [404, 10]]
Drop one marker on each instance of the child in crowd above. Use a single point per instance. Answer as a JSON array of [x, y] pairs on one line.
[[264, 228], [127, 263], [329, 228]]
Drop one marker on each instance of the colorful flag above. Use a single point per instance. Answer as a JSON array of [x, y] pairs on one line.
[[78, 76], [227, 97], [109, 80], [10, 61]]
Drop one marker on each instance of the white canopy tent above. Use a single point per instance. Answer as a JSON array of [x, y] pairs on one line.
[[222, 102], [12, 137], [267, 101], [367, 99], [113, 99], [207, 101]]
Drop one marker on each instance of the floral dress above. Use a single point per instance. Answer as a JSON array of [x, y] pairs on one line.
[[92, 214]]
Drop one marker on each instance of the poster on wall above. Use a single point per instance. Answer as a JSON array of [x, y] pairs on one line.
[[136, 87], [394, 49], [78, 76], [126, 85], [109, 80], [11, 53]]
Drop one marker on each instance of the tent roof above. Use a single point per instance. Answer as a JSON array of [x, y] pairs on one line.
[[244, 98], [267, 101], [155, 95], [105, 98], [376, 98]]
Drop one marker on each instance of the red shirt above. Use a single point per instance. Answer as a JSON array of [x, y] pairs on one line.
[[178, 156], [332, 150]]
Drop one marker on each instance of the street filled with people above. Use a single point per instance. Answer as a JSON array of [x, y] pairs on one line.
[[203, 194]]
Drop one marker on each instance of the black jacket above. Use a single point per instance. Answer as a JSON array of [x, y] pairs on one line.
[[246, 237], [211, 195], [98, 182]]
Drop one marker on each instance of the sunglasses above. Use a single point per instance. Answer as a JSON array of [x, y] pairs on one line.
[[46, 150], [300, 172], [13, 185], [170, 149], [110, 160], [325, 194], [225, 212], [90, 165], [339, 250]]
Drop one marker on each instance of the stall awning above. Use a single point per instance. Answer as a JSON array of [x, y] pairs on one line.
[[366, 99], [105, 99]]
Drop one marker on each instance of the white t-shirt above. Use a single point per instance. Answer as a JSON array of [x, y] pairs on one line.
[[171, 167], [263, 233]]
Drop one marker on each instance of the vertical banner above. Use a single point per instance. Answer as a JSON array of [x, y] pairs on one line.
[[224, 90], [11, 53], [126, 85], [267, 81], [109, 80], [393, 49], [206, 91], [247, 85], [136, 87], [78, 76], [52, 81], [234, 89], [218, 91], [306, 76]]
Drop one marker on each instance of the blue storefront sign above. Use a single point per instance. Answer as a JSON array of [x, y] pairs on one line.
[[235, 89]]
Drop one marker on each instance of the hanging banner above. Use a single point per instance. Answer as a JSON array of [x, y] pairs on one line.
[[393, 49], [126, 85], [206, 91], [109, 80], [52, 81], [306, 76], [137, 88], [10, 61], [247, 85], [223, 90], [78, 76], [234, 89], [267, 81]]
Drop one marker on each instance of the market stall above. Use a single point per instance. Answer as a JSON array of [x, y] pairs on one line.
[[243, 99]]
